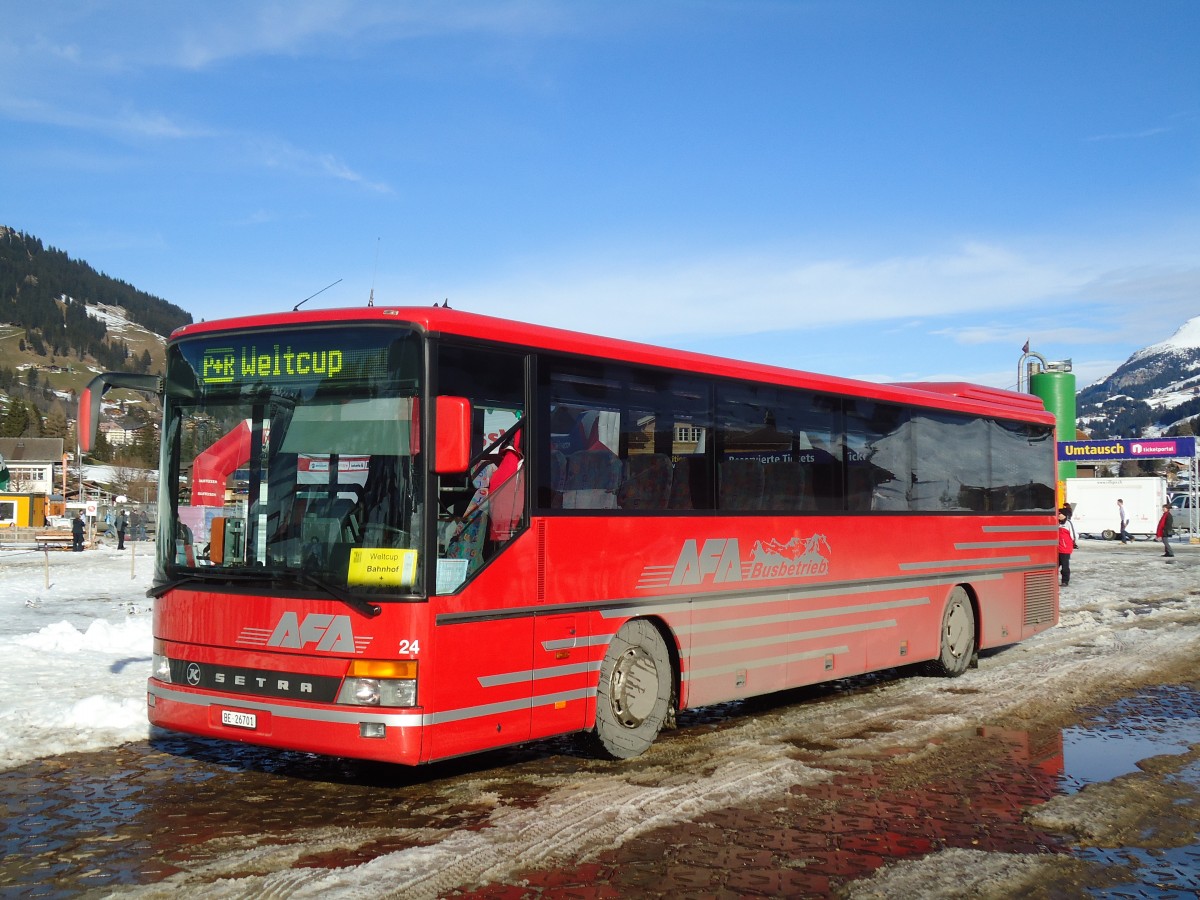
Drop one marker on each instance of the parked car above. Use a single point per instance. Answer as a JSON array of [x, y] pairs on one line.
[[1181, 512]]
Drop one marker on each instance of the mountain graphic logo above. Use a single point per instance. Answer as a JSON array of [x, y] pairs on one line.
[[798, 557]]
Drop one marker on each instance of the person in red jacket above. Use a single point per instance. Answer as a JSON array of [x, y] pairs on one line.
[[1165, 526], [1066, 543]]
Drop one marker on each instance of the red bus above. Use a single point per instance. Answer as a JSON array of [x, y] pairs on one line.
[[406, 534]]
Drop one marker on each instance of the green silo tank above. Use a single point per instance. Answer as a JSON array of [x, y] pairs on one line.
[[1057, 390]]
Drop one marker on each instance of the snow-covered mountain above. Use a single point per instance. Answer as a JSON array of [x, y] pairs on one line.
[[1155, 390]]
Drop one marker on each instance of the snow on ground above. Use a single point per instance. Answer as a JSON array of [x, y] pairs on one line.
[[75, 639], [77, 653], [117, 321]]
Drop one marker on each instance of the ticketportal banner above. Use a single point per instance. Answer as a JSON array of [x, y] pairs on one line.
[[1126, 448]]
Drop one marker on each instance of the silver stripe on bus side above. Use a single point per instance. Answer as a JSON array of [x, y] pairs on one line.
[[666, 606], [945, 563], [692, 630], [732, 646], [1000, 528], [573, 643], [693, 674], [491, 709], [823, 613], [537, 674], [1002, 545]]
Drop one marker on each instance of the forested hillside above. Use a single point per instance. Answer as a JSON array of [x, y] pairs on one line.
[[61, 321], [46, 293]]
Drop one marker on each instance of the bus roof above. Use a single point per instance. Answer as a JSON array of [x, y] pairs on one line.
[[440, 320]]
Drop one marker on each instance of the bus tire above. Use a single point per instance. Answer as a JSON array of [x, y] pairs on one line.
[[633, 697], [956, 644]]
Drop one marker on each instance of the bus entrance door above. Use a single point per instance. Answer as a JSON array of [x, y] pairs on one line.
[[560, 675]]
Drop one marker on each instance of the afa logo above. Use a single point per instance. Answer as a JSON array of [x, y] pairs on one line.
[[719, 561], [333, 634]]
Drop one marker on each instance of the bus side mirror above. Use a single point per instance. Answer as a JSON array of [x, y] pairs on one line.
[[89, 400], [452, 448]]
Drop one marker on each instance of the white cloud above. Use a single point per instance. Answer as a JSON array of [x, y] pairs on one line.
[[753, 293], [1129, 135], [281, 155], [128, 36]]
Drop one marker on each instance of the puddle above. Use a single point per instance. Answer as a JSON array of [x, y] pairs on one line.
[[1159, 722], [1163, 720]]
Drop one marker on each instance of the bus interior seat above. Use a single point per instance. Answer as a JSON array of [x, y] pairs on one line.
[[558, 476], [646, 482], [684, 475], [741, 484], [785, 487], [320, 522], [858, 489], [506, 492], [591, 479]]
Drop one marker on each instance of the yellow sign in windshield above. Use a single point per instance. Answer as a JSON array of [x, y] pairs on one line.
[[382, 567]]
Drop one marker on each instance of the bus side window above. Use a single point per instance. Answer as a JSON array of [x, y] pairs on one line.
[[590, 467]]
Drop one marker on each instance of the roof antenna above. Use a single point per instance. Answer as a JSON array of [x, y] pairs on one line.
[[310, 296], [371, 299]]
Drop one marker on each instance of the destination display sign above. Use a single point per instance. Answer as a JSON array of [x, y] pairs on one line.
[[335, 356], [1126, 448]]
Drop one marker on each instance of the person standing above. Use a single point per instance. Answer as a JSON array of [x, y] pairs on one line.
[[1066, 543], [1125, 538], [77, 528], [1165, 526], [121, 523]]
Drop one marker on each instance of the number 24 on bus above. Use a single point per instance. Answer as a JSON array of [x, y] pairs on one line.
[[406, 534]]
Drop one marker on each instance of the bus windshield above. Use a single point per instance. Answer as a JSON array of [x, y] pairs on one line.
[[295, 458]]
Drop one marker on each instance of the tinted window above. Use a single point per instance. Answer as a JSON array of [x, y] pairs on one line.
[[879, 457], [622, 439], [778, 450]]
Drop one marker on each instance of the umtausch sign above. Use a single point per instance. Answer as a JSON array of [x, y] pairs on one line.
[[1126, 448]]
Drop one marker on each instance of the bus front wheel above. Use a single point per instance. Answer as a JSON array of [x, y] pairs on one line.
[[633, 698], [957, 641]]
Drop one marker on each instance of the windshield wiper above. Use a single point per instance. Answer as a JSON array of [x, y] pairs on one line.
[[214, 575], [358, 604]]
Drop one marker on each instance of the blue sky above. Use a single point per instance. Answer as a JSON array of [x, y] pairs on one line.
[[884, 190]]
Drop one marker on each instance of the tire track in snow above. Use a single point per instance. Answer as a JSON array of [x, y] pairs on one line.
[[597, 812]]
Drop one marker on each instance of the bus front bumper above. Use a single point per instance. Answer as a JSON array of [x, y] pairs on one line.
[[347, 731]]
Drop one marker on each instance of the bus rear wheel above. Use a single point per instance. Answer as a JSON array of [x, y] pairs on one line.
[[633, 699], [957, 641]]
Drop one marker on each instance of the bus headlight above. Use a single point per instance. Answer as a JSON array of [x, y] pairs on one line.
[[380, 683], [160, 664]]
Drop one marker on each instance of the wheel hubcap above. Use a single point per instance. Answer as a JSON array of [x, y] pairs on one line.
[[958, 630], [634, 687]]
